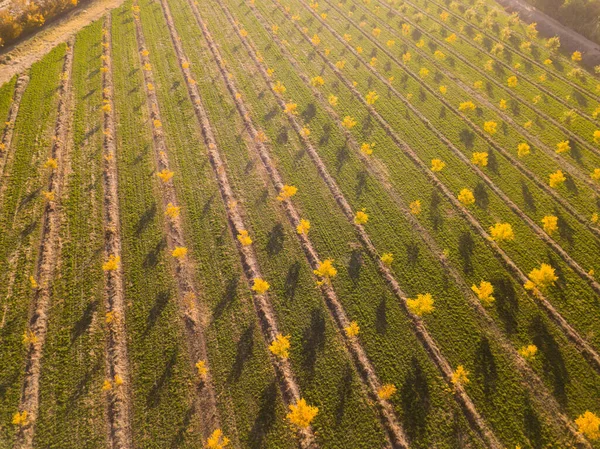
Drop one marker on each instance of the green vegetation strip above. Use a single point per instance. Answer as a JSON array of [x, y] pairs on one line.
[[294, 88], [161, 374], [21, 209], [71, 403]]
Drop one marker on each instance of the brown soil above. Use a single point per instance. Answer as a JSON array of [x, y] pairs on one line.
[[20, 56]]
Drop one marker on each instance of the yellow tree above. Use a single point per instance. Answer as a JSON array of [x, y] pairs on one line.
[[280, 346], [301, 414], [217, 440], [502, 232], [589, 425], [421, 305], [484, 292], [541, 278], [386, 391]]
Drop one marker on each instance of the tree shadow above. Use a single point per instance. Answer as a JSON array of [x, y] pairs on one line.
[[571, 186], [265, 417], [575, 151], [361, 182], [181, 435], [282, 137], [528, 197], [492, 161], [467, 138], [435, 214], [291, 281], [412, 253], [154, 395], [342, 157], [579, 98], [309, 113], [533, 425], [507, 304], [84, 322], [228, 297], [381, 323], [145, 219], [344, 393], [485, 366], [313, 341], [244, 351], [153, 255], [565, 230], [324, 140], [481, 196], [553, 362], [355, 264], [160, 302], [275, 240], [415, 400], [466, 245]]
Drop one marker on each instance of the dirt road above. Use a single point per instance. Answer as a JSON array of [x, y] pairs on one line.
[[548, 27], [19, 57]]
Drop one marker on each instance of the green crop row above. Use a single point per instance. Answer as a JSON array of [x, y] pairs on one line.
[[71, 401], [527, 250], [500, 170], [161, 373], [21, 207], [250, 406], [583, 161], [285, 76], [565, 97], [7, 91], [302, 173], [320, 369]]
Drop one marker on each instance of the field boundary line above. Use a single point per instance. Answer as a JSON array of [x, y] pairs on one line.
[[574, 265], [419, 328], [589, 352], [117, 364], [515, 51], [570, 168], [506, 66], [48, 256], [572, 135], [363, 366], [205, 400], [264, 311], [6, 149], [533, 382]]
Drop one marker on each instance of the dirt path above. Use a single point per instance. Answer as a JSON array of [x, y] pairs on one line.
[[569, 39], [205, 398], [18, 57]]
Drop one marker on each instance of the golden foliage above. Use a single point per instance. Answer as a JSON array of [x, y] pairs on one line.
[[589, 425], [112, 264], [217, 440], [460, 376], [502, 232], [301, 414], [421, 305], [260, 286], [386, 391], [280, 346], [484, 292]]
